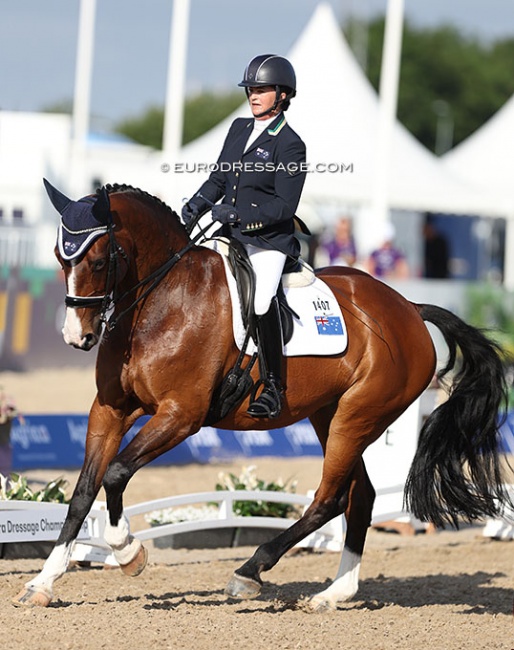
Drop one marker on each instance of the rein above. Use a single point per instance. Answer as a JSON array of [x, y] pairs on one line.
[[155, 278]]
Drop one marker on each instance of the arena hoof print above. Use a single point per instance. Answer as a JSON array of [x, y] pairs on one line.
[[137, 565], [243, 588], [32, 598]]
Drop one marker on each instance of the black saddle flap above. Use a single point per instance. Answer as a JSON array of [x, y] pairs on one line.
[[243, 272]]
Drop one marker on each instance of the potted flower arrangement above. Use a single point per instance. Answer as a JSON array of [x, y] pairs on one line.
[[17, 488], [238, 536], [248, 480]]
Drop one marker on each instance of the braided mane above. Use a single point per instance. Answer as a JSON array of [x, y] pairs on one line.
[[122, 187]]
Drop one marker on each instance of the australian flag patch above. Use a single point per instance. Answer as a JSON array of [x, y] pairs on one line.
[[329, 325], [262, 153]]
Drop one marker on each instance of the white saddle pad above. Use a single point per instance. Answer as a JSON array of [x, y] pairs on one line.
[[320, 328]]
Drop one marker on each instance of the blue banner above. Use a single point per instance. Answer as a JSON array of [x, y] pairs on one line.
[[58, 441], [507, 434]]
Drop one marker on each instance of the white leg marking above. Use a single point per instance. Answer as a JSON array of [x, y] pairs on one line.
[[72, 329], [345, 585], [54, 567], [118, 537]]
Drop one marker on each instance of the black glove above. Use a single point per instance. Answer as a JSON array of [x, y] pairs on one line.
[[224, 214], [189, 212]]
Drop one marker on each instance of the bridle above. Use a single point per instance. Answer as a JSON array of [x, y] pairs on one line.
[[109, 300], [106, 300]]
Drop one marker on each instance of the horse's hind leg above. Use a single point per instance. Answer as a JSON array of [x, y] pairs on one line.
[[343, 476], [358, 519]]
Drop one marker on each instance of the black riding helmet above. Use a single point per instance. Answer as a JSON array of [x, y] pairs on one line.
[[271, 70]]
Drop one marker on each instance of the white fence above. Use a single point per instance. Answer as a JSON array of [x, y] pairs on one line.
[[29, 521]]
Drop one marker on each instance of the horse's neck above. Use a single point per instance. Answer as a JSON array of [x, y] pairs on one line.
[[155, 243], [196, 282]]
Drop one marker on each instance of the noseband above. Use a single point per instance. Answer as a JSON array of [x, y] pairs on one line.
[[85, 301]]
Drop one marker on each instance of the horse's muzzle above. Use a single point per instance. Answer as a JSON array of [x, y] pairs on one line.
[[89, 341], [85, 342]]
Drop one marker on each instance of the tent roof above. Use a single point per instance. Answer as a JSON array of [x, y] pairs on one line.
[[484, 158], [336, 113]]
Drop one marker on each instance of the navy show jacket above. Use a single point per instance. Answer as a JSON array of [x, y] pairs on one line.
[[263, 183]]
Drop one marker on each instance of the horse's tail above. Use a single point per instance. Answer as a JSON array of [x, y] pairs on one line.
[[456, 470]]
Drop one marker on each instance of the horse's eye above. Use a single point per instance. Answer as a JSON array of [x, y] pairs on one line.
[[98, 265]]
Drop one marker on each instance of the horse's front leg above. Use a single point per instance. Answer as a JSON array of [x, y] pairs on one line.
[[104, 434], [128, 551], [160, 434]]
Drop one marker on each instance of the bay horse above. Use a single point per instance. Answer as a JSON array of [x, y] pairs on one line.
[[168, 344]]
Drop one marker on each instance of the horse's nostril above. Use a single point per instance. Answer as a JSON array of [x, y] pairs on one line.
[[88, 341]]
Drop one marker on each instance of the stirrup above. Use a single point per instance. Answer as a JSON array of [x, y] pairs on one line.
[[269, 402]]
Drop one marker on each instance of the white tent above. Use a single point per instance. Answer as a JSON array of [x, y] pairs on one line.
[[485, 158], [34, 146], [336, 113]]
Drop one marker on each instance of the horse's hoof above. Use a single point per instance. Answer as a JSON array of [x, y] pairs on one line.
[[320, 604], [241, 587], [136, 566], [32, 597]]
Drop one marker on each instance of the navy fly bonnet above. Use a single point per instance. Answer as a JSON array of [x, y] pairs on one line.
[[82, 221]]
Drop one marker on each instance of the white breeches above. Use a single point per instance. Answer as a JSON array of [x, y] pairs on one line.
[[268, 266]]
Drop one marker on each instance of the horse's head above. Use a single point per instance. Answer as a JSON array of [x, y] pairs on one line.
[[85, 248], [113, 247]]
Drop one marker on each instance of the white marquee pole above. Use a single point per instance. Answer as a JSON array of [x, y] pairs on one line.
[[175, 92], [389, 80], [82, 94]]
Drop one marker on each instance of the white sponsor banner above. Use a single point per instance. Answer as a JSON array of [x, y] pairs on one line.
[[36, 525]]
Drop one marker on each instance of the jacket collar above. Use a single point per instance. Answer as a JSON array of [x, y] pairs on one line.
[[277, 125], [272, 131]]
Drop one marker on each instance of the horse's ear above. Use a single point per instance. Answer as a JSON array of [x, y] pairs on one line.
[[102, 207], [58, 199]]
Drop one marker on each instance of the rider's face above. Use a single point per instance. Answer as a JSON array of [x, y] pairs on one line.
[[261, 99]]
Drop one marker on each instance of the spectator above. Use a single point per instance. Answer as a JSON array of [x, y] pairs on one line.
[[436, 251], [387, 262], [341, 250]]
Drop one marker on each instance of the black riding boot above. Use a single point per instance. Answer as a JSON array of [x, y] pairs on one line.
[[269, 335]]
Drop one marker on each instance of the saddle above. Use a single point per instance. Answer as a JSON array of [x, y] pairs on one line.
[[243, 272], [238, 382]]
